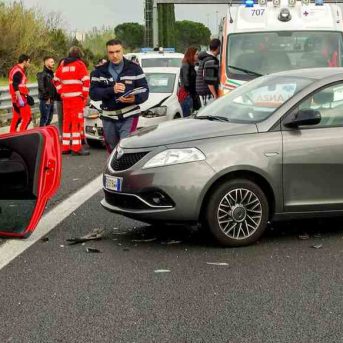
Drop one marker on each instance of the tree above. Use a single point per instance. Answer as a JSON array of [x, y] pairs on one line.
[[27, 31], [190, 33], [131, 35], [96, 41], [166, 25]]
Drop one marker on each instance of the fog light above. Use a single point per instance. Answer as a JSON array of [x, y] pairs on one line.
[[292, 3], [305, 2], [276, 3], [262, 2]]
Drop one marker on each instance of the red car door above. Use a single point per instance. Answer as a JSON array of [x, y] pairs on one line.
[[30, 172]]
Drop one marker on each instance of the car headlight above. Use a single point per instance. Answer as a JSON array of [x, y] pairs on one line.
[[155, 112], [175, 156]]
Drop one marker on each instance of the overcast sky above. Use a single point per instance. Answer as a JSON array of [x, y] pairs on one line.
[[83, 15]]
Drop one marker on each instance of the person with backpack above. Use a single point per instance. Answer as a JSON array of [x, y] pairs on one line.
[[207, 78]]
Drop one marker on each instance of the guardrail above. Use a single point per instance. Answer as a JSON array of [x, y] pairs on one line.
[[6, 103]]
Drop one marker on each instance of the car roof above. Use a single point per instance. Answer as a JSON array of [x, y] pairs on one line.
[[165, 70], [156, 54], [312, 73]]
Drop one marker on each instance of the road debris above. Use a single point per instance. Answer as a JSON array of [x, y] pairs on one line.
[[45, 239], [304, 236], [61, 246], [317, 246], [144, 240], [95, 235], [317, 235], [217, 263], [76, 179], [93, 250], [160, 271], [171, 242]]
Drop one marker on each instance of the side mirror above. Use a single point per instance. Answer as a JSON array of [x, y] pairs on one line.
[[303, 117]]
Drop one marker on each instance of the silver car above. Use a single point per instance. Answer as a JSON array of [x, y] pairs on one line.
[[270, 150]]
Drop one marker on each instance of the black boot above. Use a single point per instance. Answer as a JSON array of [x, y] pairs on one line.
[[82, 152]]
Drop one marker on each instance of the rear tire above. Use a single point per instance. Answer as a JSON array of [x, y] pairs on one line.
[[237, 213], [177, 116]]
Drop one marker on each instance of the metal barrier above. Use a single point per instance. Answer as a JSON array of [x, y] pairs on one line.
[[6, 102]]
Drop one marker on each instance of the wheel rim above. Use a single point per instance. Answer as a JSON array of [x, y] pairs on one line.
[[239, 213]]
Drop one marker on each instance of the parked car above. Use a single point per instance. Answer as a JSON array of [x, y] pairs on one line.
[[30, 172], [93, 124], [272, 149], [152, 59], [162, 104]]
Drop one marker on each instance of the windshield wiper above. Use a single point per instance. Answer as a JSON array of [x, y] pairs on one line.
[[245, 70], [218, 118]]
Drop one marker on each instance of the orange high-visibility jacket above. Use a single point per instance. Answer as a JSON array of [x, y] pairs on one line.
[[71, 79], [21, 87]]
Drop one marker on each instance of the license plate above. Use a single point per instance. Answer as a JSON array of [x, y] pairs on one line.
[[113, 183]]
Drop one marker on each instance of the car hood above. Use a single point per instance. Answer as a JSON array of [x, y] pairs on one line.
[[154, 100], [184, 130]]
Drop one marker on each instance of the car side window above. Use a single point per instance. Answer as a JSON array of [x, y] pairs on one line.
[[329, 102]]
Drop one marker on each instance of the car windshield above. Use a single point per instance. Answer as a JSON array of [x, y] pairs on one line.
[[160, 82], [161, 62], [270, 52], [255, 101]]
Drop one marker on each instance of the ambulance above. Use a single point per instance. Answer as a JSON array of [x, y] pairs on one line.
[[262, 37]]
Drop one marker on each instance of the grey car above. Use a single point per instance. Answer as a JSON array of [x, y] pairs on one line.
[[270, 150]]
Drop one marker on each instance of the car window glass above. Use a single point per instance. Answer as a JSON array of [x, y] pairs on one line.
[[160, 82], [257, 100], [329, 102], [161, 62]]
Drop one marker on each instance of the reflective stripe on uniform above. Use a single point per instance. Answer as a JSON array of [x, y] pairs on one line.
[[85, 89], [58, 87], [71, 82], [85, 78], [76, 142], [71, 95], [66, 135], [76, 135], [136, 77], [66, 142], [56, 79]]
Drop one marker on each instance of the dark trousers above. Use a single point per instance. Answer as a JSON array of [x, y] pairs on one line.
[[46, 112]]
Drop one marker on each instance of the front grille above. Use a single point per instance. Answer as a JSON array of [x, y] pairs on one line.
[[126, 161]]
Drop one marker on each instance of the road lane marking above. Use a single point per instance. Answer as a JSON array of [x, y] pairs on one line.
[[13, 248]]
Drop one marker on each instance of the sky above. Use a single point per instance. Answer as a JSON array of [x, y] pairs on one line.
[[83, 15]]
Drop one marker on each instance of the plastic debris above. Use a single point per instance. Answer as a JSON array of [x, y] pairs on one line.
[[171, 242], [76, 179], [317, 246], [61, 246], [159, 271], [144, 240], [217, 263], [304, 237], [95, 235], [93, 250]]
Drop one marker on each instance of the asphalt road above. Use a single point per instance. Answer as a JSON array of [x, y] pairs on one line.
[[279, 290]]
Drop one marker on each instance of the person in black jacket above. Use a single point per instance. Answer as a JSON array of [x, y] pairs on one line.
[[46, 91], [188, 78], [111, 84]]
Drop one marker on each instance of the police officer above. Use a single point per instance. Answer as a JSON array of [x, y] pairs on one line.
[[109, 83]]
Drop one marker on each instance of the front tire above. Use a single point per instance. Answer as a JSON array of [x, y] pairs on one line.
[[237, 213]]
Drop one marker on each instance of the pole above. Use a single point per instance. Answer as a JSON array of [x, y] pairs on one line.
[[155, 23]]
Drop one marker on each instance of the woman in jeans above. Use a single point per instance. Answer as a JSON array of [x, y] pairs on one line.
[[187, 78]]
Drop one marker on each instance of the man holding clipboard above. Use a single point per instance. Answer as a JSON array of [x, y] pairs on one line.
[[121, 86]]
